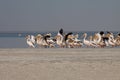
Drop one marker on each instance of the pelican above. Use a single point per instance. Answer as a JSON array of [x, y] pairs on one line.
[[39, 39], [33, 39], [59, 38], [118, 39], [87, 42], [49, 40], [104, 39], [77, 42], [30, 41], [98, 39], [111, 40], [73, 41], [69, 40]]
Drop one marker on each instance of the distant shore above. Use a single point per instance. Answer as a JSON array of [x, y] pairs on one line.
[[60, 64]]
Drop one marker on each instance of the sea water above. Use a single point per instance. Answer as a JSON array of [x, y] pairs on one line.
[[17, 39]]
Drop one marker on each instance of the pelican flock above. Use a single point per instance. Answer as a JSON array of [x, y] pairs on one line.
[[69, 40]]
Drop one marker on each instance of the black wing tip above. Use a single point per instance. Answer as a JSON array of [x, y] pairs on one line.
[[101, 32], [61, 31]]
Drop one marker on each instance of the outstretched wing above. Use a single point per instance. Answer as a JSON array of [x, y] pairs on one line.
[[66, 36]]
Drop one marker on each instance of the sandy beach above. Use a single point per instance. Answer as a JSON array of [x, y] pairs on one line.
[[60, 64]]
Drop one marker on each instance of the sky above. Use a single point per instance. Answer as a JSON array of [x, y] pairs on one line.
[[51, 15]]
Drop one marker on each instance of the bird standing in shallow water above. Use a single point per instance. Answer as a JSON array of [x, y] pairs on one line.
[[30, 40], [87, 42]]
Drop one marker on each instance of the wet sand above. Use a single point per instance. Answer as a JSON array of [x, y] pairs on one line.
[[60, 64]]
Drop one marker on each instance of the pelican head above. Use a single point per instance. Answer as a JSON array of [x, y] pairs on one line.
[[76, 36], [27, 37], [85, 35]]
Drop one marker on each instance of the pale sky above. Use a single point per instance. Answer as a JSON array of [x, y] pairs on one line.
[[51, 15]]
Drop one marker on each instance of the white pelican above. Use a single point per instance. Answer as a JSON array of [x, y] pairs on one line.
[[72, 41], [39, 39], [59, 38], [69, 40], [104, 39], [44, 40], [117, 39], [87, 42], [77, 42], [98, 39], [111, 40], [49, 40], [29, 41], [33, 39]]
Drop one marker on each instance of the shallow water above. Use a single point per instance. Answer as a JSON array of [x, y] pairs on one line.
[[13, 42]]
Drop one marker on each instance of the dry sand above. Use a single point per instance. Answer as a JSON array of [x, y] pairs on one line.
[[60, 64]]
